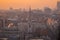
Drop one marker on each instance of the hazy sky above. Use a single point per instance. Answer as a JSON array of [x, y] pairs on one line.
[[5, 4]]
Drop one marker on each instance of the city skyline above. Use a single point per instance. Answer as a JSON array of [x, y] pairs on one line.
[[6, 4]]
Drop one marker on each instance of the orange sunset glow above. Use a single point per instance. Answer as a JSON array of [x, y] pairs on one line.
[[5, 4]]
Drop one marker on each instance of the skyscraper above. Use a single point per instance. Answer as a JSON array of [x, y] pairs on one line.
[[58, 5], [47, 10]]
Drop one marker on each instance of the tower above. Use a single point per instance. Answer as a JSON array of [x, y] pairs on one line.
[[58, 5], [29, 9]]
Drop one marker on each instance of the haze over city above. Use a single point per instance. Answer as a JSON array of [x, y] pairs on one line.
[[5, 4], [29, 19]]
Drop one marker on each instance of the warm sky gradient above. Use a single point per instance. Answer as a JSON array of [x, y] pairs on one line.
[[5, 4]]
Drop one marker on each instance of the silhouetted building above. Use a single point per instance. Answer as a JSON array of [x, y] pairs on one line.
[[47, 10], [58, 5], [11, 8]]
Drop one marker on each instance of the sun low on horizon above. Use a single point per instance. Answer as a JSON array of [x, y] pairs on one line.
[[5, 4]]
